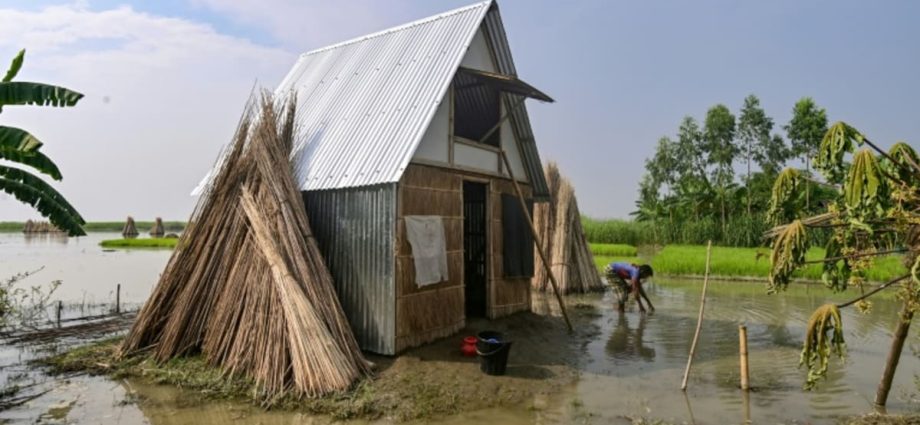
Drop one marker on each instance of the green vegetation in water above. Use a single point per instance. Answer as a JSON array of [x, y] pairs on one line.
[[101, 226], [602, 261], [613, 250], [140, 243], [690, 260]]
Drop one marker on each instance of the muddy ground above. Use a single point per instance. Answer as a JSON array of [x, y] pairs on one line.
[[426, 382]]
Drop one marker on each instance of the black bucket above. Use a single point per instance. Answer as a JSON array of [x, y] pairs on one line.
[[493, 352]]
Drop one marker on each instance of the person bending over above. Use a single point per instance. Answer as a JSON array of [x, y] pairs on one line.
[[626, 278]]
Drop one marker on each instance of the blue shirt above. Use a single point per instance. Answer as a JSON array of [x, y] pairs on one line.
[[625, 270]]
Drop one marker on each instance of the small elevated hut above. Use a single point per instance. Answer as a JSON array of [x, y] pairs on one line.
[[558, 224], [400, 164], [157, 230], [130, 229]]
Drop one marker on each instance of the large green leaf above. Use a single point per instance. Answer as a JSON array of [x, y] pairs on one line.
[[839, 140], [15, 66], [785, 188], [28, 93], [35, 192], [907, 158], [18, 139], [34, 159], [865, 185]]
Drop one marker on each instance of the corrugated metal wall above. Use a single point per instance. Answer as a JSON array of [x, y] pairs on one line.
[[354, 228]]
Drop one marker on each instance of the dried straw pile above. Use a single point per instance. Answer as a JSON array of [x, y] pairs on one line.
[[247, 286], [157, 230], [558, 223], [130, 230], [39, 227]]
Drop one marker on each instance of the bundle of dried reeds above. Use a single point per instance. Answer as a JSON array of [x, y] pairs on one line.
[[247, 285], [39, 227], [130, 230], [559, 224], [157, 230]]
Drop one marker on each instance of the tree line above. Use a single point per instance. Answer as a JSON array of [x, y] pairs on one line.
[[713, 180]]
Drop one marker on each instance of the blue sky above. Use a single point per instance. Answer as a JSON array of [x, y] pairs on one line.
[[166, 80]]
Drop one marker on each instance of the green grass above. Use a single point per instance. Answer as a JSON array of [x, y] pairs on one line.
[[102, 226], [140, 243], [602, 261], [613, 250], [690, 260]]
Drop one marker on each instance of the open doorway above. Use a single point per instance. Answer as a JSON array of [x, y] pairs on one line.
[[474, 248]]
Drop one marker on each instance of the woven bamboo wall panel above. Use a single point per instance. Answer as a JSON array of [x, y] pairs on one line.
[[431, 177], [429, 311], [405, 275]]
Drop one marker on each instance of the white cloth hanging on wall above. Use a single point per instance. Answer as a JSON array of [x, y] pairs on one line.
[[426, 236]]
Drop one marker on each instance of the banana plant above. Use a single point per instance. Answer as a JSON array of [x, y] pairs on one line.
[[22, 149]]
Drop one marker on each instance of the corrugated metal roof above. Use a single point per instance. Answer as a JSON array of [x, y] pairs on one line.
[[364, 104]]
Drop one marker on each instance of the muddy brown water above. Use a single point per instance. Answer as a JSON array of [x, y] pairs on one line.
[[631, 369]]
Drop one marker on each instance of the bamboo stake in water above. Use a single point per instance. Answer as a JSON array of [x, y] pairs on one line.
[[699, 319], [118, 299], [743, 352]]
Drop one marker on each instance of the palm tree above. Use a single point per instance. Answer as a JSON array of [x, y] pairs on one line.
[[21, 148]]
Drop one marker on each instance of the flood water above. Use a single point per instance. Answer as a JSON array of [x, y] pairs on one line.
[[631, 369]]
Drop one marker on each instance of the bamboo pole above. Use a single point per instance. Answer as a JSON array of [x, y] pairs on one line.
[[699, 319], [743, 352], [894, 356], [118, 299], [536, 238]]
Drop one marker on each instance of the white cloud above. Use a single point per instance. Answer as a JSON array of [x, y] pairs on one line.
[[162, 95]]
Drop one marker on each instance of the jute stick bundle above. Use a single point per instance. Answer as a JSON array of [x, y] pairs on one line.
[[559, 224], [247, 285]]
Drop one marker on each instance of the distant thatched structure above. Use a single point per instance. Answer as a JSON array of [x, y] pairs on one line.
[[247, 286], [559, 225], [130, 229], [157, 230], [32, 227]]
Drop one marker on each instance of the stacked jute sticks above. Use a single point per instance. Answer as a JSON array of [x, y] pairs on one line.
[[130, 229], [247, 286], [158, 230], [559, 225]]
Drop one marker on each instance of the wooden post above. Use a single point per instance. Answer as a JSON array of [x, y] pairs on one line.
[[894, 355], [60, 307], [699, 319], [746, 407], [536, 238], [118, 298], [743, 352]]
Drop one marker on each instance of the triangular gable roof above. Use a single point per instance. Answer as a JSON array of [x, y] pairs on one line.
[[365, 104]]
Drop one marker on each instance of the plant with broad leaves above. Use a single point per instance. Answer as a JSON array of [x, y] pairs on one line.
[[876, 212], [21, 148]]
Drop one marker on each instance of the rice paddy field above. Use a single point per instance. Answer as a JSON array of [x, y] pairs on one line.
[[731, 262]]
